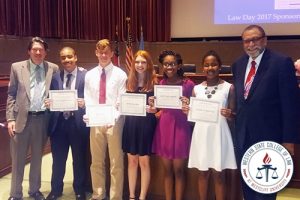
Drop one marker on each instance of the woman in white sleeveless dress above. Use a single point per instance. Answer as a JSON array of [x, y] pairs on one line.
[[212, 148]]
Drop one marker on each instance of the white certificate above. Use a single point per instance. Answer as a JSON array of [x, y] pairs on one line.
[[63, 100], [167, 96], [203, 110], [133, 104], [100, 115]]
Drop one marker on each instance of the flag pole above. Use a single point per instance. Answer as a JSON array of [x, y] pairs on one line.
[[129, 53], [142, 46], [116, 51]]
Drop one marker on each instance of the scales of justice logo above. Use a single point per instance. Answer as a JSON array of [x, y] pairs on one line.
[[267, 167]]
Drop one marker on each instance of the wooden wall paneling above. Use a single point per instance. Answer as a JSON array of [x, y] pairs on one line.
[[14, 49]]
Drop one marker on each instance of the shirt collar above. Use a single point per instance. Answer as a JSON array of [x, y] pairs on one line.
[[257, 59], [107, 68], [33, 66], [74, 72]]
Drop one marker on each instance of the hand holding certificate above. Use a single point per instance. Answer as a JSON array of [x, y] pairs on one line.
[[203, 110], [63, 100], [167, 96], [100, 115], [133, 104]]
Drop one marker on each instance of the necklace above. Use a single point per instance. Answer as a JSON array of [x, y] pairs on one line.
[[212, 91]]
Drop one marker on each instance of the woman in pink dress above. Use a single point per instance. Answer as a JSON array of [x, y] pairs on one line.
[[173, 132]]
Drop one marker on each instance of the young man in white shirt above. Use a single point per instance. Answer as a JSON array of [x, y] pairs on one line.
[[109, 136]]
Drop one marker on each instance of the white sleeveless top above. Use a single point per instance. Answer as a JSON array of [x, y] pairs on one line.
[[211, 145]]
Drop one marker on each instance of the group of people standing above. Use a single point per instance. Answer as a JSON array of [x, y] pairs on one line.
[[260, 105]]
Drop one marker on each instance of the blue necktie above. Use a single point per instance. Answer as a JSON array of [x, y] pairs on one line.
[[68, 83], [67, 114]]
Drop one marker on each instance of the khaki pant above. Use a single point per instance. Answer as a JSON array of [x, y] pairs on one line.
[[102, 138]]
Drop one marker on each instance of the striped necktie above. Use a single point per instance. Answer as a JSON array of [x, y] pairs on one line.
[[249, 79]]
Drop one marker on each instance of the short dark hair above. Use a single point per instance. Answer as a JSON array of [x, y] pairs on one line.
[[165, 53], [69, 48], [214, 54], [254, 26], [39, 40], [178, 58]]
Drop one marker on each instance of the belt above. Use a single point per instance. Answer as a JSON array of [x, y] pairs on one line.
[[35, 113]]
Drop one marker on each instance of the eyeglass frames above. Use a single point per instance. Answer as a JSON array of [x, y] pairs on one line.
[[254, 40]]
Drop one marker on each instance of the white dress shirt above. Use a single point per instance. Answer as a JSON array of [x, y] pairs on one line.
[[115, 85], [257, 61], [73, 78]]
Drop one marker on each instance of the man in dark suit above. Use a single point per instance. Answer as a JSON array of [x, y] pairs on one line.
[[67, 129], [266, 92], [27, 120]]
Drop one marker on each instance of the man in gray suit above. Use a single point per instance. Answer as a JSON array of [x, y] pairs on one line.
[[26, 116]]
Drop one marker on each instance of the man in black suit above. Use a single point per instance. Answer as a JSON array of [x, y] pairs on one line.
[[267, 107], [68, 129]]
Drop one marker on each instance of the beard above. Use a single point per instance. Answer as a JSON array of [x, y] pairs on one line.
[[254, 53]]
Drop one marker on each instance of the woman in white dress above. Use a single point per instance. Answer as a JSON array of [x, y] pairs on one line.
[[211, 148]]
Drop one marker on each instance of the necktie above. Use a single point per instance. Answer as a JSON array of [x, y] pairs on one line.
[[102, 91], [68, 83], [38, 86], [67, 114], [38, 74], [249, 79]]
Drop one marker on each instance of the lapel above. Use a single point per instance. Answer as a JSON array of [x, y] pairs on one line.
[[241, 75], [61, 80], [49, 73], [263, 66], [78, 78], [25, 71]]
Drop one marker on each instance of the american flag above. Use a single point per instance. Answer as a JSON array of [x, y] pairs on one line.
[[129, 53]]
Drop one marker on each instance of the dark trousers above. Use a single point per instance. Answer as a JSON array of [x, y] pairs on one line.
[[250, 194], [68, 135]]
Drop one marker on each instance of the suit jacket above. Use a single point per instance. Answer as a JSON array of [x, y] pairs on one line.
[[18, 100], [57, 84], [271, 111]]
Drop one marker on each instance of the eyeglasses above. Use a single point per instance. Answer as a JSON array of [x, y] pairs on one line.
[[210, 64], [254, 40], [173, 64]]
